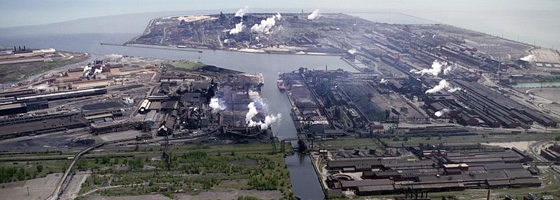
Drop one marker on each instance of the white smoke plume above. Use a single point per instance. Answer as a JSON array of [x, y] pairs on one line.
[[251, 113], [256, 98], [434, 71], [98, 70], [241, 12], [314, 15], [454, 89], [352, 51], [529, 58], [238, 28], [448, 70], [88, 70], [266, 24], [216, 105], [383, 81], [268, 120], [278, 16], [441, 112], [443, 84]]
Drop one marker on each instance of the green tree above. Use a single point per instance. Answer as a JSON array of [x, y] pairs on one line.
[[39, 168]]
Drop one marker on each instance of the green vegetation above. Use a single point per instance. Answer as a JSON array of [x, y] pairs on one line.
[[548, 78], [247, 198], [184, 64], [19, 171], [189, 172]]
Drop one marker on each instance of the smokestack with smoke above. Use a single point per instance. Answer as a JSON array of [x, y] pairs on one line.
[[383, 81], [238, 28], [441, 112], [266, 24], [314, 15], [268, 120], [528, 58], [216, 105], [448, 70], [241, 12], [443, 84], [352, 51], [454, 89], [98, 70], [251, 113], [434, 70], [89, 70]]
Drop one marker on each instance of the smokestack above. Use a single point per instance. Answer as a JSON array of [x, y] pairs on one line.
[[15, 48]]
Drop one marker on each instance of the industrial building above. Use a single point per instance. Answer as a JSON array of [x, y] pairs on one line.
[[435, 172], [41, 124]]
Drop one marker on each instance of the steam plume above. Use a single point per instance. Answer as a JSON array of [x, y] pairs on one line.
[[238, 28], [314, 15], [241, 12], [266, 24], [216, 105], [529, 58], [434, 71], [443, 84], [441, 112], [268, 120]]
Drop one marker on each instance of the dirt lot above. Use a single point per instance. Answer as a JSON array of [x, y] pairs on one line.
[[39, 188], [519, 145], [546, 55]]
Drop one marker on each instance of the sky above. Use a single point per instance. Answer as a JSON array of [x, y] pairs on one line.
[[35, 12]]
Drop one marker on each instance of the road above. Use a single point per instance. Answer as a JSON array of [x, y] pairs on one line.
[[56, 193], [535, 149]]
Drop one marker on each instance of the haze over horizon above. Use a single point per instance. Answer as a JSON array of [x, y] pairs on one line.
[[535, 23], [44, 12]]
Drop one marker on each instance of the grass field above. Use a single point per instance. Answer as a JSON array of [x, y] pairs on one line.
[[193, 170], [19, 171], [185, 64]]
